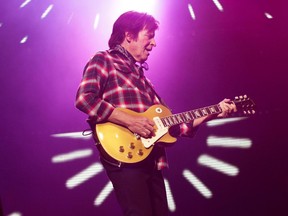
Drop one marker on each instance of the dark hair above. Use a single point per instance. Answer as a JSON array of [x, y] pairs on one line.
[[132, 22]]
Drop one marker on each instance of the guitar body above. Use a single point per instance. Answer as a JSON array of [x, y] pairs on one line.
[[121, 144]]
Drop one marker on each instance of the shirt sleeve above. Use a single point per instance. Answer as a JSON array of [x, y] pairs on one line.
[[183, 130], [89, 95]]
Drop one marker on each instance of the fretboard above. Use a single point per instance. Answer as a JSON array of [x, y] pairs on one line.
[[190, 115]]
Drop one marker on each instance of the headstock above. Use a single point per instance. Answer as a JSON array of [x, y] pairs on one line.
[[245, 104]]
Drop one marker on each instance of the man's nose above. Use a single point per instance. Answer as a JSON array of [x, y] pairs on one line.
[[153, 42]]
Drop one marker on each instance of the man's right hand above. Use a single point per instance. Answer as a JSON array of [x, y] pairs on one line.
[[140, 125]]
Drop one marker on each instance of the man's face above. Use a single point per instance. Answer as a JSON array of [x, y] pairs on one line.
[[141, 47]]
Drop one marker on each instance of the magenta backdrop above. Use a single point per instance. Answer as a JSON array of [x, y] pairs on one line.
[[196, 63]]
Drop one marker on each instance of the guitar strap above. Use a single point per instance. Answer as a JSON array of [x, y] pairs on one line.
[[148, 83]]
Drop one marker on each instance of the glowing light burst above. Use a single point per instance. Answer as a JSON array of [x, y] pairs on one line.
[[214, 163], [204, 160], [93, 170], [148, 6]]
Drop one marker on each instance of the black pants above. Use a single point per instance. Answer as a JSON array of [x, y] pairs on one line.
[[140, 190]]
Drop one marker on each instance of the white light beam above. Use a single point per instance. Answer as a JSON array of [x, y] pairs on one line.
[[170, 199], [191, 11], [218, 165], [24, 39], [269, 16], [73, 135], [197, 184], [103, 194], [218, 122], [72, 156], [84, 175], [218, 5], [229, 142], [70, 18], [15, 214], [47, 11], [25, 3], [96, 21]]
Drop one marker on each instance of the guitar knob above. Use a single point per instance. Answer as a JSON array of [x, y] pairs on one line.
[[132, 146], [121, 149], [140, 152], [129, 155]]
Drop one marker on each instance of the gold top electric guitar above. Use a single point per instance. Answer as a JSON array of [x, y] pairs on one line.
[[125, 146]]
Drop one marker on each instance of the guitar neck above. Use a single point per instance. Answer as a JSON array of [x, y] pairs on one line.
[[190, 115]]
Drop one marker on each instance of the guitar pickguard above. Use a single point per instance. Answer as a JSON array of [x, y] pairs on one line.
[[161, 131]]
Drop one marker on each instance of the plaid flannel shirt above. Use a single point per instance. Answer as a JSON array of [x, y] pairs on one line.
[[113, 79]]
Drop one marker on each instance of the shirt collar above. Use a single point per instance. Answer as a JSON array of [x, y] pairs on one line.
[[123, 51]]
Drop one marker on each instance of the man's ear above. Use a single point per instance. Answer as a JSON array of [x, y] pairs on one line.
[[128, 37]]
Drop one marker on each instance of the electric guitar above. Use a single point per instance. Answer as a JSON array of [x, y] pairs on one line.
[[123, 145]]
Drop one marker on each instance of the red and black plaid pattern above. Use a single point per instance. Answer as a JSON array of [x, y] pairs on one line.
[[112, 79]]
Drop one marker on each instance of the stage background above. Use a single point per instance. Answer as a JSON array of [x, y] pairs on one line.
[[197, 62]]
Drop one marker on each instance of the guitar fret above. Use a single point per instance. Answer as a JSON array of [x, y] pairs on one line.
[[208, 110], [179, 118], [190, 115], [183, 117], [218, 108], [205, 111], [174, 119], [166, 121], [187, 116], [170, 121], [197, 113], [132, 148], [214, 109]]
